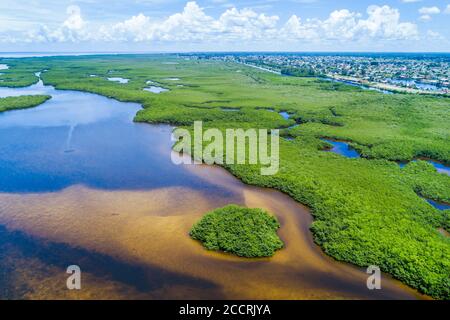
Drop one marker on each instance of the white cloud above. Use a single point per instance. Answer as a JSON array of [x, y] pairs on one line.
[[429, 10], [411, 1], [340, 24], [74, 21], [194, 25], [191, 24], [136, 28], [425, 17], [385, 22], [247, 24], [73, 29], [381, 23], [295, 29]]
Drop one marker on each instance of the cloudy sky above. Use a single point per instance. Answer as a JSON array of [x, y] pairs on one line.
[[224, 25]]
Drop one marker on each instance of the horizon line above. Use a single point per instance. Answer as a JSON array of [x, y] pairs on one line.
[[214, 51]]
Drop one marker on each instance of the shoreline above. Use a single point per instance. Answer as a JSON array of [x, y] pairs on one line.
[[384, 86]]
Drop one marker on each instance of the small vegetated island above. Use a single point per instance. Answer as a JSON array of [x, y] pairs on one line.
[[250, 233], [21, 102]]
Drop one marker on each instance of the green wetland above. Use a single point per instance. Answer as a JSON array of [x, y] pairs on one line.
[[367, 210]]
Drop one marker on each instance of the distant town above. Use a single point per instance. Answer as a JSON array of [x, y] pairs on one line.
[[425, 74]]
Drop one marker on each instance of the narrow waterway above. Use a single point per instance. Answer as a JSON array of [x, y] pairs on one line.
[[82, 184], [344, 149]]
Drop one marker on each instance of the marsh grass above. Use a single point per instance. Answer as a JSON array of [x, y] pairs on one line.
[[21, 102]]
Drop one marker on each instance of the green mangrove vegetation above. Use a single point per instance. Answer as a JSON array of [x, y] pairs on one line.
[[367, 211], [21, 102], [250, 233]]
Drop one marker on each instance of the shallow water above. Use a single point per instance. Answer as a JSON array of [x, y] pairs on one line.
[[440, 167], [342, 148], [285, 115], [3, 66], [119, 80], [230, 109], [80, 138], [82, 184], [157, 90], [439, 205]]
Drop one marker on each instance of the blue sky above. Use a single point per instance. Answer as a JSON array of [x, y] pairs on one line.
[[225, 25]]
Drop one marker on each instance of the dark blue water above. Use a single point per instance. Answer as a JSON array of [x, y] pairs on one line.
[[342, 148], [83, 138], [439, 205], [440, 167]]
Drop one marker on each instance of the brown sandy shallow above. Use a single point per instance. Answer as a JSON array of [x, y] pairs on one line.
[[135, 245]]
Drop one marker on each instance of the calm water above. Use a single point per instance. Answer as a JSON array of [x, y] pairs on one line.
[[439, 205], [82, 184], [440, 167], [342, 148], [230, 109], [155, 89], [82, 138], [119, 80], [285, 115]]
